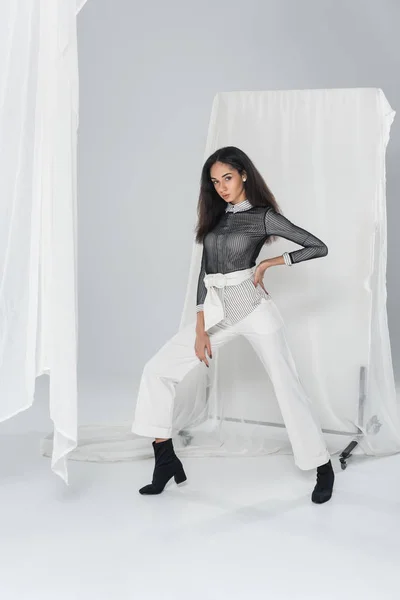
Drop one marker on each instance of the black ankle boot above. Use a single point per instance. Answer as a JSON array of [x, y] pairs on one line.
[[325, 478], [167, 466]]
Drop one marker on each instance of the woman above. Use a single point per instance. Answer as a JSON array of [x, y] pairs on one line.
[[237, 215]]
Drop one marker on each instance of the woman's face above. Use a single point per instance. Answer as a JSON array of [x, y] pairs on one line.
[[228, 182]]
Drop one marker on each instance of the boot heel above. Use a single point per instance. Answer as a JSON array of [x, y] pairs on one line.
[[180, 476]]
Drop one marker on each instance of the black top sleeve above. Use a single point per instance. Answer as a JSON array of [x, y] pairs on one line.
[[201, 288], [278, 225]]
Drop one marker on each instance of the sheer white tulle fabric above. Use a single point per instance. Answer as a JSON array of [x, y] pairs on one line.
[[38, 139], [323, 154]]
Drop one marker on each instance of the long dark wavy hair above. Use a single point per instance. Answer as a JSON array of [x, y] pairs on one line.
[[211, 206]]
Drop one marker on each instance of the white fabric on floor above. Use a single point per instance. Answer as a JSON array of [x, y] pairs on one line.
[[38, 139], [322, 152]]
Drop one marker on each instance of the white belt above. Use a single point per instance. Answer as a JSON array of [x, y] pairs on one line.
[[213, 307]]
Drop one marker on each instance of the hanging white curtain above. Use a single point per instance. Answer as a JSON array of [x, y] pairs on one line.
[[322, 152], [38, 138]]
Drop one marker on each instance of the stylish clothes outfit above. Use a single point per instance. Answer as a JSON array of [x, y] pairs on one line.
[[235, 243], [233, 306]]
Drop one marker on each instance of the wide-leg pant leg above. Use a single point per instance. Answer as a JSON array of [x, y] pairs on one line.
[[162, 373], [264, 329]]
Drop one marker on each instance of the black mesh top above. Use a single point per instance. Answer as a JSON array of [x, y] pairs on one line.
[[236, 241]]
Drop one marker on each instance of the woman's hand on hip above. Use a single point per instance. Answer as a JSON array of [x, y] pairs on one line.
[[259, 274], [202, 345]]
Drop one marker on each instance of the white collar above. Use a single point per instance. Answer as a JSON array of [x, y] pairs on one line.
[[244, 205]]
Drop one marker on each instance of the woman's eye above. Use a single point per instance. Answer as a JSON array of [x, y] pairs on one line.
[[228, 178]]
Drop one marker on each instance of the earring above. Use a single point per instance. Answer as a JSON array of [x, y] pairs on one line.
[[244, 178]]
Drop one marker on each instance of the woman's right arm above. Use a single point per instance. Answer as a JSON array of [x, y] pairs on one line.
[[202, 342], [201, 286], [200, 322], [202, 339]]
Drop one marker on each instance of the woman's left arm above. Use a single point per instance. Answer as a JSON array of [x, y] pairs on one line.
[[278, 225], [313, 247]]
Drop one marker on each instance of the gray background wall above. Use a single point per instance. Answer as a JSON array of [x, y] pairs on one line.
[[148, 75]]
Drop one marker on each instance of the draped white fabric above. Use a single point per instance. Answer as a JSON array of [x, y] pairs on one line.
[[79, 5], [322, 152], [38, 138]]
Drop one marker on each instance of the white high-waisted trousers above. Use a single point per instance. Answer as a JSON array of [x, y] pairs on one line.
[[264, 329]]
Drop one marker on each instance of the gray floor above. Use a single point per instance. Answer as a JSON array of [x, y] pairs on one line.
[[239, 528]]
